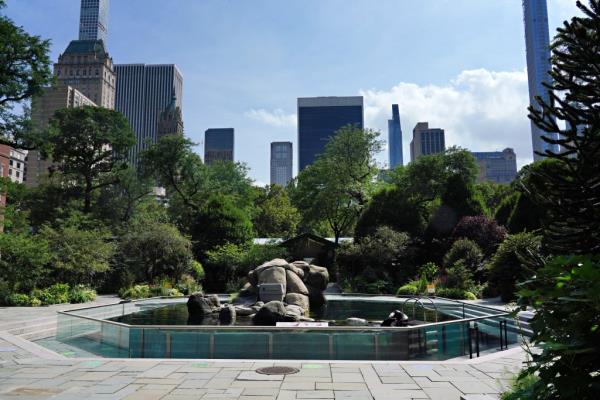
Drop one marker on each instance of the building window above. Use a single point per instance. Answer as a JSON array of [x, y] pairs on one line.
[[18, 174], [10, 162]]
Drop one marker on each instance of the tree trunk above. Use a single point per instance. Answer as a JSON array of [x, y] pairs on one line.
[[87, 205]]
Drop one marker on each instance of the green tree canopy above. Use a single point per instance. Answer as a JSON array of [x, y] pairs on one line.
[[24, 72], [88, 145], [275, 215], [337, 186]]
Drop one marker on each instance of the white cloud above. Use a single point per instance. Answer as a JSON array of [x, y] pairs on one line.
[[479, 109], [274, 118]]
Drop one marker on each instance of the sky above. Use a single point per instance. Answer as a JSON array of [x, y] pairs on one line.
[[458, 64]]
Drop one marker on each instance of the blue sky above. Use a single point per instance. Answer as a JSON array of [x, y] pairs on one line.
[[459, 64]]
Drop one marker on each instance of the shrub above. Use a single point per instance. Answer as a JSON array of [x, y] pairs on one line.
[[197, 271], [469, 253], [60, 293], [406, 290], [429, 271], [469, 295], [507, 267], [34, 302], [135, 292], [522, 388], [454, 293], [18, 300], [459, 276], [188, 285], [482, 230], [24, 261], [81, 294]]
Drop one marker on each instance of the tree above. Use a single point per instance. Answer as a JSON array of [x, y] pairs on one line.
[[468, 253], [79, 254], [493, 194], [482, 230], [24, 261], [275, 214], [564, 291], [153, 249], [336, 187], [219, 222], [572, 196], [509, 266], [88, 145], [24, 72]]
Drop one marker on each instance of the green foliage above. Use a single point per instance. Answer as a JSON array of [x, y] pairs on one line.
[[469, 254], [377, 257], [81, 294], [197, 271], [220, 222], [24, 72], [145, 291], [107, 136], [522, 388], [275, 215], [493, 194], [459, 276], [59, 292], [566, 327], [337, 186], [188, 285], [455, 293], [428, 271], [525, 216], [482, 230], [18, 300], [153, 249], [407, 290], [505, 208], [392, 207], [78, 255], [24, 261], [508, 265]]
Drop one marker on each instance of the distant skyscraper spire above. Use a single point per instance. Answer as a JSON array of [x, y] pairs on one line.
[[537, 42], [93, 20], [395, 138]]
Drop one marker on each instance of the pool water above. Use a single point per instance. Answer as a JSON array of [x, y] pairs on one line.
[[336, 311]]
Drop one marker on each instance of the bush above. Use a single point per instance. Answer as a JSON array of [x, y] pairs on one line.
[[507, 267], [135, 292], [197, 271], [81, 294], [522, 388], [18, 300], [482, 230], [406, 290], [428, 271], [188, 285], [24, 261], [34, 302], [469, 253], [59, 292], [459, 276], [454, 293]]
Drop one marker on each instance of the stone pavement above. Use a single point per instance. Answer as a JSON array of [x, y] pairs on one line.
[[29, 371]]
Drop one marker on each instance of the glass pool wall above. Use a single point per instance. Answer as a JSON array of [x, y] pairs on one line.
[[482, 327]]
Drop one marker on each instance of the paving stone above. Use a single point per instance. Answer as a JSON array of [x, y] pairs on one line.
[[146, 395], [474, 387], [341, 386], [286, 395], [255, 384], [438, 393], [352, 395], [260, 392], [298, 385], [347, 377], [315, 394], [255, 376]]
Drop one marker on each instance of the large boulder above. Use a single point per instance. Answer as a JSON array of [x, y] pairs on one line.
[[276, 262], [227, 315], [199, 306], [317, 277], [272, 313], [297, 299], [316, 298], [214, 301], [253, 278], [294, 283], [297, 270]]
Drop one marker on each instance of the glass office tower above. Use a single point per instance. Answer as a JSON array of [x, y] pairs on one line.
[[281, 163], [318, 120], [537, 43], [395, 138], [93, 20], [218, 145]]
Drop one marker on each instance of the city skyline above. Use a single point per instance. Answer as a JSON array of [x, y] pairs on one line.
[[465, 93]]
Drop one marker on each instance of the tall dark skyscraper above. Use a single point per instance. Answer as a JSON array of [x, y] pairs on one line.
[[537, 43], [218, 145], [143, 93], [93, 20], [281, 163], [395, 138], [318, 120]]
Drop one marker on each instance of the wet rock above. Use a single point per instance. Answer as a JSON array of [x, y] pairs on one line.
[[227, 315], [299, 300], [244, 311], [357, 321], [271, 313], [214, 301], [316, 298], [198, 307], [317, 277]]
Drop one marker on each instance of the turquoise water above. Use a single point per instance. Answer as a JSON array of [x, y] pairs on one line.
[[174, 339]]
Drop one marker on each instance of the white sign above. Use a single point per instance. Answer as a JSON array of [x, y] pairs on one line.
[[303, 324]]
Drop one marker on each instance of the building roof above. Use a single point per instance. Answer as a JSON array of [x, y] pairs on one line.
[[86, 46]]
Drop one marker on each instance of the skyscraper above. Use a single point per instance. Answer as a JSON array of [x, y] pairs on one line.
[[143, 93], [537, 43], [395, 138], [281, 163], [318, 120], [496, 166], [218, 145], [86, 66], [170, 120], [93, 20], [426, 141]]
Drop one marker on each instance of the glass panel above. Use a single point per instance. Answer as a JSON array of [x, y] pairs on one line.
[[301, 345], [237, 345]]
